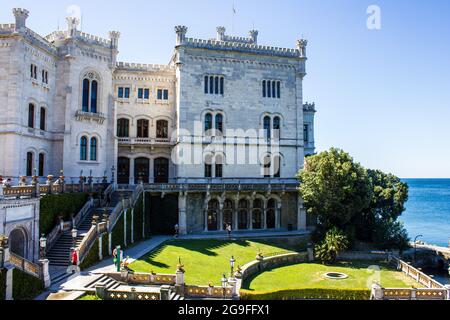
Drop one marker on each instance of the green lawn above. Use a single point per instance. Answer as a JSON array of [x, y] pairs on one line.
[[89, 297], [205, 260], [310, 275]]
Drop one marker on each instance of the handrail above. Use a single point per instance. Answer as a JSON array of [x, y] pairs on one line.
[[82, 213], [417, 275], [26, 265], [86, 243]]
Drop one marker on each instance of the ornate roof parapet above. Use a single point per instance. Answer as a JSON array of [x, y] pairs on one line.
[[254, 36], [301, 47], [220, 33], [7, 28], [72, 26], [309, 107], [143, 67], [114, 39], [181, 34]]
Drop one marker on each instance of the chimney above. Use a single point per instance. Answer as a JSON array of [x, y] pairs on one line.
[[181, 34], [21, 16], [254, 36], [220, 33]]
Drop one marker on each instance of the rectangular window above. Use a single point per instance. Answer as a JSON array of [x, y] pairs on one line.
[[273, 89], [222, 85], [211, 85], [140, 93], [159, 94], [127, 93], [120, 92], [264, 88], [278, 89], [216, 85], [146, 94], [305, 133], [206, 84], [42, 119], [166, 95], [33, 71], [269, 89], [41, 164]]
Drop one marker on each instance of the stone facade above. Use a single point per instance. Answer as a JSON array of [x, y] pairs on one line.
[[190, 122]]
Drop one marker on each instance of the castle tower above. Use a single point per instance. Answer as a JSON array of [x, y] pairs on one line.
[[181, 34], [21, 16], [114, 37], [220, 33], [72, 26], [254, 36], [301, 47]]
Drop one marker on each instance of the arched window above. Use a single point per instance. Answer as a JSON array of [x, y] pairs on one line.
[[219, 124], [41, 164], [273, 89], [94, 96], [276, 127], [208, 123], [269, 95], [83, 148], [208, 166], [228, 212], [90, 93], [266, 166], [213, 210], [267, 130], [264, 88], [142, 128], [243, 214], [29, 164], [206, 84], [93, 152], [162, 129], [31, 115], [222, 80], [271, 212], [85, 105], [42, 119], [257, 214], [123, 126], [276, 166], [219, 166]]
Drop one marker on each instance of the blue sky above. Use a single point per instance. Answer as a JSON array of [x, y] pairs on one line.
[[382, 95]]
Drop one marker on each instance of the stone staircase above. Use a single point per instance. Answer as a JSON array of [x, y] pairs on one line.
[[174, 296], [108, 282], [59, 254]]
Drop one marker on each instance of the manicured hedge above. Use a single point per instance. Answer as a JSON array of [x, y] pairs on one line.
[[92, 256], [25, 286], [2, 283], [138, 219], [129, 227], [105, 245], [307, 293], [54, 205], [117, 233]]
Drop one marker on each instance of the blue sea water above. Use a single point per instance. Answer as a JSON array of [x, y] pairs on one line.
[[428, 210]]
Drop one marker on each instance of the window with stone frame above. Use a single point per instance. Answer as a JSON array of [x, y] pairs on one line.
[[33, 71], [45, 76], [123, 92], [123, 127], [162, 94], [90, 93], [29, 164], [83, 148], [271, 89], [41, 164], [306, 133], [42, 122], [142, 128], [31, 110], [162, 129], [214, 84], [143, 93]]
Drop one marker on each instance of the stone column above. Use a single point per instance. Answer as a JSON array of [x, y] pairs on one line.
[[9, 282], [448, 291], [301, 215], [125, 227], [182, 219], [179, 280], [109, 243], [264, 215], [100, 247], [132, 225], [165, 292], [235, 214], [45, 272], [278, 216], [250, 214], [131, 180], [220, 218]]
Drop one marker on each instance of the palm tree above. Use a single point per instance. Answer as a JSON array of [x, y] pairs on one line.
[[335, 241]]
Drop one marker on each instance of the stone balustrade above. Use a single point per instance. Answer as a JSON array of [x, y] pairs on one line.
[[379, 293]]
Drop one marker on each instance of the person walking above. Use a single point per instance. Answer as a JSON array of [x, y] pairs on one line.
[[228, 228]]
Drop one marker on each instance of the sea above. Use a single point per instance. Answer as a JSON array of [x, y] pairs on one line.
[[428, 211]]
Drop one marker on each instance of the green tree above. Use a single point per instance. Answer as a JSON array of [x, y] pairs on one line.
[[334, 188], [335, 242]]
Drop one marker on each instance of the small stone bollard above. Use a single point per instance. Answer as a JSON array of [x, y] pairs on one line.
[[101, 291], [165, 292], [377, 292]]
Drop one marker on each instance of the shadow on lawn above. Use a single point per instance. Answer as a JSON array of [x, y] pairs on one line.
[[206, 247]]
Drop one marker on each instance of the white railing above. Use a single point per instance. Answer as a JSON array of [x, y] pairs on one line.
[[83, 212], [87, 242]]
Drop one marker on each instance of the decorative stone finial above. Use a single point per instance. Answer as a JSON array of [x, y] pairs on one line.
[[301, 47], [181, 34], [254, 36], [21, 16], [72, 25], [220, 33]]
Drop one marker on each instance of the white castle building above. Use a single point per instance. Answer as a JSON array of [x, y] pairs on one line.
[[220, 131]]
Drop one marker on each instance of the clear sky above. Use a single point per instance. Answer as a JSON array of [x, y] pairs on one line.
[[382, 95]]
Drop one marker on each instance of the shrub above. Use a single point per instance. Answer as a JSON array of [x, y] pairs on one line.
[[2, 284], [92, 256], [25, 286], [138, 219], [54, 205], [129, 226], [335, 242], [117, 233], [105, 245], [307, 293]]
